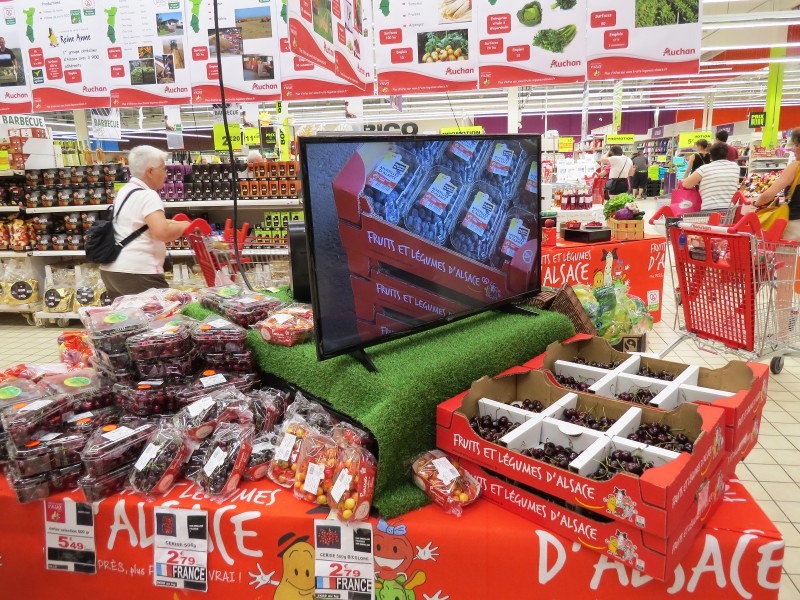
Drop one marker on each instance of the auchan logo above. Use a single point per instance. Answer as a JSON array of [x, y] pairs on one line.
[[564, 63], [680, 52], [175, 90], [459, 71], [15, 96], [264, 87], [94, 89]]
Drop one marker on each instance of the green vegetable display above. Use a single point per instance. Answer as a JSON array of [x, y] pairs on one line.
[[452, 38], [555, 40], [616, 203], [564, 4], [657, 13], [530, 14]]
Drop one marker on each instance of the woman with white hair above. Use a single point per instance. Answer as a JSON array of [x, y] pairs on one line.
[[138, 207]]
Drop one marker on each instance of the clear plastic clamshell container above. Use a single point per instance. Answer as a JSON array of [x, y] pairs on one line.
[[24, 420], [214, 297], [518, 227], [85, 422], [476, 227], [65, 478], [249, 308], [389, 183], [211, 380], [111, 375], [29, 489], [436, 203], [464, 158], [115, 445], [85, 386], [48, 451], [504, 164], [426, 152], [109, 328], [231, 363], [171, 339], [96, 488], [15, 390], [216, 335], [149, 396], [169, 367]]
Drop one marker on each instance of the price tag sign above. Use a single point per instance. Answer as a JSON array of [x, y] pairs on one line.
[[221, 140], [69, 536], [252, 137], [566, 144], [181, 549], [344, 566]]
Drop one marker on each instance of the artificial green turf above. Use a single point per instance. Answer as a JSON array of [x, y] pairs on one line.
[[415, 374]]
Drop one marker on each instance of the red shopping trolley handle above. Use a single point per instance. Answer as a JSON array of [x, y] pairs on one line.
[[749, 223], [197, 225], [664, 211], [740, 198]]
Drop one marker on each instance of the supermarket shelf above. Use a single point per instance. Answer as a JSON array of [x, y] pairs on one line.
[[12, 254], [247, 252], [58, 253], [20, 308], [43, 314], [12, 173], [243, 203], [9, 209], [62, 209]]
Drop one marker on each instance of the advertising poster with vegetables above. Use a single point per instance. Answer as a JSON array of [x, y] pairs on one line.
[[531, 42], [424, 47], [16, 95], [66, 45], [333, 34], [248, 48], [643, 38], [303, 80], [146, 49]]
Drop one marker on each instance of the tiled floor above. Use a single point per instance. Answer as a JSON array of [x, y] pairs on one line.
[[771, 472]]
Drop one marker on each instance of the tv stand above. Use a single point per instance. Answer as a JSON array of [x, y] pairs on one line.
[[365, 360], [515, 309]]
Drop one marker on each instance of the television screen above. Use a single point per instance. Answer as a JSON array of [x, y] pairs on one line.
[[406, 233]]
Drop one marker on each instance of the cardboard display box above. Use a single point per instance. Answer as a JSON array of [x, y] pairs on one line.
[[661, 497], [636, 548]]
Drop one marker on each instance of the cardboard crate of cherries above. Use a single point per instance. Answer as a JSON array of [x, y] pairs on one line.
[[155, 411]]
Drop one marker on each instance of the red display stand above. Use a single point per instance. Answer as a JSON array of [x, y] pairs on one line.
[[638, 263], [263, 534]]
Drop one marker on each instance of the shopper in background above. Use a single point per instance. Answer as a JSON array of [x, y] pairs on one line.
[[140, 265], [784, 184], [718, 180], [699, 158], [722, 138], [619, 169], [639, 175]]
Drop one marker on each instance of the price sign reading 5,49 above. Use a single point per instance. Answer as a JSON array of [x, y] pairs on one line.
[[69, 536]]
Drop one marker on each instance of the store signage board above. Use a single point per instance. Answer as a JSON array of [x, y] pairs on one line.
[[657, 132], [513, 50], [303, 80], [181, 549], [147, 52], [626, 40], [15, 73], [461, 130], [411, 46], [67, 47], [566, 144], [728, 128], [174, 127], [106, 124], [69, 536], [221, 138], [344, 563], [688, 140], [757, 119], [249, 50], [251, 137], [620, 139]]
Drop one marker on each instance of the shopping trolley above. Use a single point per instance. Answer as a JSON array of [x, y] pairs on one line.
[[738, 288], [262, 262]]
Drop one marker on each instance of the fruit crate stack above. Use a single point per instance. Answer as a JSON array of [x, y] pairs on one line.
[[452, 213], [624, 454]]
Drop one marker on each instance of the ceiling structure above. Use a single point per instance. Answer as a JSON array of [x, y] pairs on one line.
[[737, 38]]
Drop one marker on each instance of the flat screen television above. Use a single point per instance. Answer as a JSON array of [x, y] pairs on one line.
[[407, 233]]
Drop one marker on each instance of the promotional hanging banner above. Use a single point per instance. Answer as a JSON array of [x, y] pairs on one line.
[[530, 43], [147, 53], [248, 50], [174, 127], [106, 124], [14, 71], [424, 47], [66, 44], [643, 38]]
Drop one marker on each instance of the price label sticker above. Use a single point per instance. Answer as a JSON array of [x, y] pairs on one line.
[[284, 451], [212, 380], [200, 406], [181, 549], [313, 478], [69, 536], [342, 485], [344, 564], [447, 472]]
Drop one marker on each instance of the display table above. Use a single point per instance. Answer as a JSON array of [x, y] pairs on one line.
[[415, 374], [487, 553], [638, 263]]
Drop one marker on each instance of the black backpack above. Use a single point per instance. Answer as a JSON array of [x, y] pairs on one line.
[[99, 243]]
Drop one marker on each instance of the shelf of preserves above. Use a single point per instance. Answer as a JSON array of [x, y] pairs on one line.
[[243, 203], [65, 209], [55, 253]]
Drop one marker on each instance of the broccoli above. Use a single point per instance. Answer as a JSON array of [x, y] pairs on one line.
[[384, 6], [564, 4], [530, 14], [555, 40]]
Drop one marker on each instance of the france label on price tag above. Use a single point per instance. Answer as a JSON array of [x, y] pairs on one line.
[[181, 549], [69, 536], [344, 567]]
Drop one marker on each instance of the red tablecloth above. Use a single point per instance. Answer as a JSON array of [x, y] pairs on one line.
[[487, 553], [638, 263]]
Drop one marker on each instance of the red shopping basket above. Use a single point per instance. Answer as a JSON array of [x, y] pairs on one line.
[[715, 271]]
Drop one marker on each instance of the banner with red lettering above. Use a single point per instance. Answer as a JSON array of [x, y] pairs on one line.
[[424, 47], [639, 264], [531, 43], [248, 50], [66, 46], [14, 71], [643, 38], [147, 53], [303, 80], [262, 547]]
